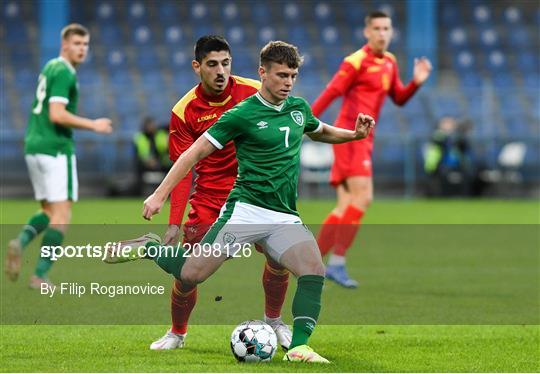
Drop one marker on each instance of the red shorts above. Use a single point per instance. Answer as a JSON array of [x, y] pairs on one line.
[[351, 159], [200, 219]]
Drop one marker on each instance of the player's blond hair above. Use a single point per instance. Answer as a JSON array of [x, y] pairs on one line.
[[281, 53], [74, 29]]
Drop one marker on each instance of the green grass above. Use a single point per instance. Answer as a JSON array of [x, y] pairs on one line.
[[351, 349], [128, 211], [457, 295]]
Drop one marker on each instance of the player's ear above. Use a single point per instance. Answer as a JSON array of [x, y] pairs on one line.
[[63, 44], [391, 31], [262, 71], [196, 66]]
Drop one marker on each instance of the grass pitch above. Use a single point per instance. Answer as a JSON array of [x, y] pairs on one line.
[[415, 309], [350, 348]]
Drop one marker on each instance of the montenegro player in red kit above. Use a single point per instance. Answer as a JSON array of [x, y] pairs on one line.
[[364, 79], [200, 108]]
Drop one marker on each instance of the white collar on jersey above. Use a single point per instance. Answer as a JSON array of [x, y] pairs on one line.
[[68, 64], [269, 104]]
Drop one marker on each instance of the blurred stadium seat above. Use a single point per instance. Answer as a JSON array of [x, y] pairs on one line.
[[489, 65]]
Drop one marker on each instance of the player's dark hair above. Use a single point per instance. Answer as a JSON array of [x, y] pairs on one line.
[[281, 53], [375, 14], [74, 29], [210, 43]]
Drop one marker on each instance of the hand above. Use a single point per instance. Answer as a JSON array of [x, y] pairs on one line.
[[172, 235], [422, 69], [364, 124], [152, 205], [103, 125]]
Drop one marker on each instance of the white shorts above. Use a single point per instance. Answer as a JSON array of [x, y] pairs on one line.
[[54, 178], [240, 223]]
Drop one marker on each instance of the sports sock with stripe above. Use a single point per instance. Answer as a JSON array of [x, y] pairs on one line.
[[52, 237], [348, 227], [36, 224], [327, 235], [306, 308], [169, 258], [183, 299], [275, 283]]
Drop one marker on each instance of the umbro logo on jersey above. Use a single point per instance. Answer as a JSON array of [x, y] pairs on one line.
[[298, 117], [262, 125]]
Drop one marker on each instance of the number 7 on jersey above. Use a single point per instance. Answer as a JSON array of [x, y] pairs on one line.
[[287, 130]]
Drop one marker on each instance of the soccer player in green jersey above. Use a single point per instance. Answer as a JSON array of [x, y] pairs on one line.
[[50, 152], [267, 130]]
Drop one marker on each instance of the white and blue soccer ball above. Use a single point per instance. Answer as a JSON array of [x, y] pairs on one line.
[[253, 341]]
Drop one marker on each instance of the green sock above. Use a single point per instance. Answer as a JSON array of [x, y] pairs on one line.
[[306, 308], [52, 237], [169, 258], [37, 223]]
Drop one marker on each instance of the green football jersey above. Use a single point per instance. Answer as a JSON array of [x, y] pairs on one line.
[[267, 139], [57, 83]]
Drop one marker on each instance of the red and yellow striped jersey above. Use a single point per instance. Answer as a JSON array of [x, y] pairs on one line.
[[192, 115]]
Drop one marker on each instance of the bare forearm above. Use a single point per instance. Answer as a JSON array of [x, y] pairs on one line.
[[199, 150], [333, 135], [59, 115], [67, 119]]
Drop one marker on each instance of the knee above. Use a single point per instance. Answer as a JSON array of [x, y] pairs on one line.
[[320, 271], [275, 265], [60, 217], [192, 276], [317, 269], [362, 201], [338, 211]]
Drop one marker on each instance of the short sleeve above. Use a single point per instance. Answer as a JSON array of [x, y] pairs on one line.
[[313, 124], [60, 87], [224, 130]]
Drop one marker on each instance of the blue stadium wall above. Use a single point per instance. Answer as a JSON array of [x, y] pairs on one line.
[[486, 57]]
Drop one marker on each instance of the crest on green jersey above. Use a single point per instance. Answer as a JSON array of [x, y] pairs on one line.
[[298, 117]]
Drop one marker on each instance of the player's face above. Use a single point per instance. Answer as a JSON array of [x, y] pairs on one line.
[[277, 81], [214, 71], [378, 34], [75, 48]]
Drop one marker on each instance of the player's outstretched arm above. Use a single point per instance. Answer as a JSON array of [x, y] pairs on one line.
[[335, 135], [62, 117], [198, 150]]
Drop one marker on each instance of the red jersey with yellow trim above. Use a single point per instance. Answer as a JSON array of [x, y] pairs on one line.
[[191, 117], [364, 79]]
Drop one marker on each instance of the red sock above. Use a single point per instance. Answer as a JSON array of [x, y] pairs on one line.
[[275, 283], [349, 225], [182, 302], [327, 235]]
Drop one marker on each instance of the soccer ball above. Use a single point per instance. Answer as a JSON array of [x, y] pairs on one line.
[[253, 341]]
